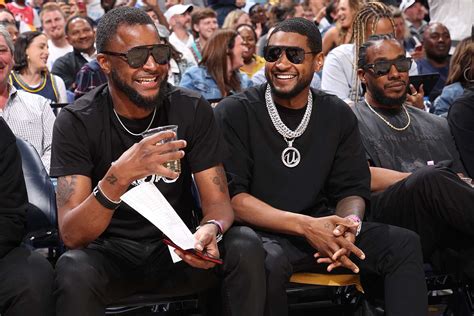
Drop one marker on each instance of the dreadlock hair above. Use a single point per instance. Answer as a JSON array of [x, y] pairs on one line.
[[303, 27], [366, 19]]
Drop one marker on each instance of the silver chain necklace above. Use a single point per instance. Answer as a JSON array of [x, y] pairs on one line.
[[387, 122], [290, 156], [131, 133]]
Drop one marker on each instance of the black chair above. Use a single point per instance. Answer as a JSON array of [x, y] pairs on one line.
[[41, 223]]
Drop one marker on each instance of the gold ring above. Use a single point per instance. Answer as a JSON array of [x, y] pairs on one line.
[[414, 94]]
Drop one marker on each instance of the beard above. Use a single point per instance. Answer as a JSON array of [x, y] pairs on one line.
[[147, 103], [379, 96], [300, 86]]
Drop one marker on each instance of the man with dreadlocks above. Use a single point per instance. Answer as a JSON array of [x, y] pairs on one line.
[[413, 160], [340, 67], [301, 179]]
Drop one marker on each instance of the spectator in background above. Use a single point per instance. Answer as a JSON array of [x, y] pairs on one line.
[[460, 76], [258, 16], [153, 9], [222, 8], [340, 66], [414, 12], [411, 43], [342, 32], [29, 116], [218, 75], [319, 13], [53, 21], [12, 29], [7, 16], [26, 276], [203, 24], [235, 18], [179, 18], [88, 78], [26, 15], [31, 73], [436, 43], [252, 62], [460, 118], [81, 35]]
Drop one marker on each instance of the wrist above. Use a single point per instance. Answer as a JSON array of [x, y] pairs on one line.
[[356, 219], [217, 226]]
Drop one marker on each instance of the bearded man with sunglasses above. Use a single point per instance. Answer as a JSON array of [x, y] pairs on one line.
[[415, 167], [97, 142], [299, 177]]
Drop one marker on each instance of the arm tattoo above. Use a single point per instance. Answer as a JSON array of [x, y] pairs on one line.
[[111, 179], [220, 179], [65, 189]]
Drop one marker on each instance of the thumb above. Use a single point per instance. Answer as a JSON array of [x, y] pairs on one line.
[[339, 230]]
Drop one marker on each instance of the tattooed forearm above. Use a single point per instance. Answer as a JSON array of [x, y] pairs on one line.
[[65, 189], [111, 179], [220, 180]]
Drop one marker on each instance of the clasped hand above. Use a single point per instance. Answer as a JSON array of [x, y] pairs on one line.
[[334, 238]]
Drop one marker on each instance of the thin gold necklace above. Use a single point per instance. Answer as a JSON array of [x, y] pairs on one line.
[[387, 122]]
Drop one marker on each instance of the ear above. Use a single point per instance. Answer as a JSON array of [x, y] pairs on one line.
[[318, 62], [104, 63], [361, 75]]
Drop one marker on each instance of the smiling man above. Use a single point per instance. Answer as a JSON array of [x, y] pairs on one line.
[[301, 179], [413, 159], [99, 153], [81, 35]]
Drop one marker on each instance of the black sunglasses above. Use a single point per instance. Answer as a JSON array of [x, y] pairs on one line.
[[294, 54], [381, 68], [137, 56]]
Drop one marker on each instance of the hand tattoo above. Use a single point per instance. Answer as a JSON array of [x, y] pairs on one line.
[[65, 189], [111, 179]]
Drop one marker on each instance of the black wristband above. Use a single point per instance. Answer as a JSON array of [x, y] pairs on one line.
[[103, 200]]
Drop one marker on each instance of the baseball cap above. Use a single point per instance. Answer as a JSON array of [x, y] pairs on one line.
[[406, 4], [177, 9]]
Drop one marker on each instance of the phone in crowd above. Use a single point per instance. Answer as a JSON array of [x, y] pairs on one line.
[[194, 252]]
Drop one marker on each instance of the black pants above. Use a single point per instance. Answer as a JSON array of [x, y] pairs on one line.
[[435, 203], [393, 259], [26, 284], [89, 279]]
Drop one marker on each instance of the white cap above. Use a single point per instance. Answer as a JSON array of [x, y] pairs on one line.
[[406, 4], [177, 9]]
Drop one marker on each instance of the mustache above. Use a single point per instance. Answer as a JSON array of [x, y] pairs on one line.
[[396, 82]]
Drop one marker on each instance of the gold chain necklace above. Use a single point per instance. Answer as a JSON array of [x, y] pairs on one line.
[[387, 122]]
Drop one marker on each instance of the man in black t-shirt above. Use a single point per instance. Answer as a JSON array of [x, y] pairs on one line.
[[97, 142], [300, 177], [412, 157]]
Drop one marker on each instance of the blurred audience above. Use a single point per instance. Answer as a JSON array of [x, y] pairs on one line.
[[53, 22], [218, 74], [460, 76], [235, 18], [26, 15], [258, 17], [252, 62], [460, 118], [203, 24], [31, 73], [436, 44], [410, 42], [414, 12], [81, 35], [12, 29], [179, 18], [342, 32]]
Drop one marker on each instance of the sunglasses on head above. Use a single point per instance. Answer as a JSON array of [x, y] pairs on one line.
[[381, 68], [137, 56], [295, 55]]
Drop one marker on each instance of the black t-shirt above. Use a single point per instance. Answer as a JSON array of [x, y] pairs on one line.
[[332, 165], [87, 138], [461, 122], [427, 138]]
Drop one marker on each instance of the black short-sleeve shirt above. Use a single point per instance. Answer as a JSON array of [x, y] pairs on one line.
[[88, 137], [332, 166]]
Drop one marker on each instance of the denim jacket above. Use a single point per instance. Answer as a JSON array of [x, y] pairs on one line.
[[449, 94], [198, 79]]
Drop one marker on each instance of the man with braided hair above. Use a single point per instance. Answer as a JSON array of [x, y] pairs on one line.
[[301, 179], [340, 67]]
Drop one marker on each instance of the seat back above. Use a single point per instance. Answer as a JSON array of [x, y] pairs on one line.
[[41, 223]]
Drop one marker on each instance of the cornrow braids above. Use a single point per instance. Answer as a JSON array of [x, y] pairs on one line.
[[367, 18]]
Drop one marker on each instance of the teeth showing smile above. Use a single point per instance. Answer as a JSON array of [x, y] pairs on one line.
[[146, 80], [285, 76]]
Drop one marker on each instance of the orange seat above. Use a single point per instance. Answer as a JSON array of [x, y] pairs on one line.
[[327, 279]]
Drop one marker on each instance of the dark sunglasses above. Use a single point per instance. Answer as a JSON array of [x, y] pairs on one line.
[[381, 68], [137, 56], [294, 54]]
